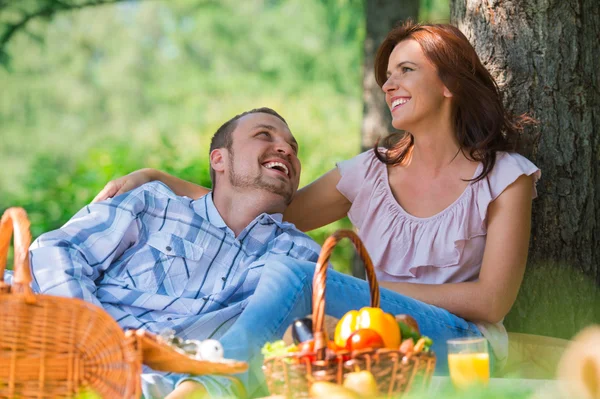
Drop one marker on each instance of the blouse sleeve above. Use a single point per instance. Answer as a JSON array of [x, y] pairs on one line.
[[508, 168], [355, 173]]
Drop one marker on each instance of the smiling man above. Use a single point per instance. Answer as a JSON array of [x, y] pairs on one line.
[[158, 261]]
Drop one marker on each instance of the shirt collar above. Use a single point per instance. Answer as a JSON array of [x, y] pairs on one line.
[[205, 207]]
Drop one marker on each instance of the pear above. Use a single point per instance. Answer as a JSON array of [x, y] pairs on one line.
[[330, 390], [363, 383]]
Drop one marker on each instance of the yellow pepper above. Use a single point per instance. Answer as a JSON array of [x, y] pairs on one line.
[[374, 318]]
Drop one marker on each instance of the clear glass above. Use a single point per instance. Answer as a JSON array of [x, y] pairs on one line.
[[469, 362]]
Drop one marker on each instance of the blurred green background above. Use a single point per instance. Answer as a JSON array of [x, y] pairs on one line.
[[96, 93]]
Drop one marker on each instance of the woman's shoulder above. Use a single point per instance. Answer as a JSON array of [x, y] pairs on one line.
[[508, 168], [358, 173], [512, 161], [366, 159]]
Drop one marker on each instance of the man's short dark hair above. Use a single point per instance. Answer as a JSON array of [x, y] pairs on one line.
[[223, 136]]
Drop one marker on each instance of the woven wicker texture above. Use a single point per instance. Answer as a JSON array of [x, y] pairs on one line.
[[291, 375], [52, 347]]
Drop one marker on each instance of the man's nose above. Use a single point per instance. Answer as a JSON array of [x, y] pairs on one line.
[[284, 148]]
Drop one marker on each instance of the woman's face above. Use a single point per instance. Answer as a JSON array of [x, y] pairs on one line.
[[413, 91]]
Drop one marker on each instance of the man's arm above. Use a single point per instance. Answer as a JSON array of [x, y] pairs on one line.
[[68, 261]]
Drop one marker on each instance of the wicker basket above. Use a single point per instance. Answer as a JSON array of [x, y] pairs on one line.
[[54, 347], [395, 372]]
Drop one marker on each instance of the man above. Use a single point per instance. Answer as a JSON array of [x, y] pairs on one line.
[[155, 260]]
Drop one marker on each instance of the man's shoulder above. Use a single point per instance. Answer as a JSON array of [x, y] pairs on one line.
[[155, 190], [147, 196]]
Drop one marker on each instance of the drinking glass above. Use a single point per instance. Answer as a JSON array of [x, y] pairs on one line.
[[469, 362]]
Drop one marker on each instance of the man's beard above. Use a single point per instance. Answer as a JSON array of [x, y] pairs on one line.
[[258, 182]]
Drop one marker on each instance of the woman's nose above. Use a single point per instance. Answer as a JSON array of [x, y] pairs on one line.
[[389, 85]]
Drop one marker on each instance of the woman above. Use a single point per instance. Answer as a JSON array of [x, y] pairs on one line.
[[444, 210]]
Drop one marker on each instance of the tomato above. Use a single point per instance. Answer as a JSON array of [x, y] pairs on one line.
[[364, 338], [368, 318]]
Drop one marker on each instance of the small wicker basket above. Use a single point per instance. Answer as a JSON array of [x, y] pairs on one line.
[[55, 347], [395, 372]]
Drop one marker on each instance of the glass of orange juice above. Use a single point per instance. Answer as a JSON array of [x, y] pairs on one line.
[[469, 362]]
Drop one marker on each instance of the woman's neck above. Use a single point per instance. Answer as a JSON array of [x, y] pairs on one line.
[[434, 148]]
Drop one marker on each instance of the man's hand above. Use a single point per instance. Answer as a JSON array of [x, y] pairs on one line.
[[124, 184], [188, 389]]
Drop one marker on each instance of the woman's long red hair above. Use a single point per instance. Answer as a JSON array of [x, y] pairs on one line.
[[481, 123]]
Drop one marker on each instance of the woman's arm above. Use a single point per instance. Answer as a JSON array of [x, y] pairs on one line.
[[313, 206], [505, 256], [143, 176], [318, 204]]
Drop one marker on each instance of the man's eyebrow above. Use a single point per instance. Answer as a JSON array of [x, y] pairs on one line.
[[263, 126], [399, 65], [272, 128]]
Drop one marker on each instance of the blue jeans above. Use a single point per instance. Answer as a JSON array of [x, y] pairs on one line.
[[284, 293]]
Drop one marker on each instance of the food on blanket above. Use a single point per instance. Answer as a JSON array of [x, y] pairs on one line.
[[329, 390], [373, 318], [211, 350], [364, 338], [302, 330], [363, 383]]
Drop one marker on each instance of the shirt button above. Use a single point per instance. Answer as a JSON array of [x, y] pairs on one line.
[[224, 278], [168, 248], [205, 298], [169, 318]]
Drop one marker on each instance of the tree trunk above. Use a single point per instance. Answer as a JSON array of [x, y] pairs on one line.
[[382, 16], [543, 54]]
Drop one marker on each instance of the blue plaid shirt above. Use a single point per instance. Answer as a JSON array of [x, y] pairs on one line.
[[155, 260]]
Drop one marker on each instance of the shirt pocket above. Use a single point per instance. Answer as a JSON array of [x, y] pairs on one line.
[[164, 264]]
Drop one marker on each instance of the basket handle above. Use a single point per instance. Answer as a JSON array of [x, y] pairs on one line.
[[320, 276], [16, 219]]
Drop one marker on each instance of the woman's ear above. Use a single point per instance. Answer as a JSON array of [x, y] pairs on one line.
[[447, 93], [218, 159]]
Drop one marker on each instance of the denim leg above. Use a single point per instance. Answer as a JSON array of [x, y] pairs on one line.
[[283, 294]]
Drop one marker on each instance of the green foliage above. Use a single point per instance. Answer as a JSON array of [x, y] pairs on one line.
[[434, 11], [145, 84]]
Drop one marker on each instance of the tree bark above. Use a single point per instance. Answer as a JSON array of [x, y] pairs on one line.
[[382, 16], [543, 54]]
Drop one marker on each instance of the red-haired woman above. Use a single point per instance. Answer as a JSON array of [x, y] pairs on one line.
[[443, 209]]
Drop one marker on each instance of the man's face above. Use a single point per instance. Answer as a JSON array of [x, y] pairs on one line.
[[264, 156]]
